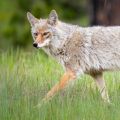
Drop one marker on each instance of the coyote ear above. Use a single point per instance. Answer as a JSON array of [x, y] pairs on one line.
[[53, 18], [31, 19]]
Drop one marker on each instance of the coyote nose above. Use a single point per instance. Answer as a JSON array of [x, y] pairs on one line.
[[35, 44]]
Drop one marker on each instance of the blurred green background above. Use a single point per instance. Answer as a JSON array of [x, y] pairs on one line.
[[15, 28]]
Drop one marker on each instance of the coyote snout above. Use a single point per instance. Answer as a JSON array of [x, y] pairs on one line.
[[35, 45], [40, 45]]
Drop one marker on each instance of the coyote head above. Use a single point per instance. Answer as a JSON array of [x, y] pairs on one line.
[[44, 31]]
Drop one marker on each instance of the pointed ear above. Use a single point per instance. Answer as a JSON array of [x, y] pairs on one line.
[[53, 18], [31, 19]]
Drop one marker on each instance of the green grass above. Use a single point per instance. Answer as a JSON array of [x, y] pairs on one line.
[[25, 78]]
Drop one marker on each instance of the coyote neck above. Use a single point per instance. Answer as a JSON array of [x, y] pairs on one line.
[[63, 36], [67, 28]]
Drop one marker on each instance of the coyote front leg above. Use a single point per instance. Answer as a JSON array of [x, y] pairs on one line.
[[101, 85], [65, 79]]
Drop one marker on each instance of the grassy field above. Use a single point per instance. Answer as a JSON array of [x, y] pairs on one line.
[[25, 77]]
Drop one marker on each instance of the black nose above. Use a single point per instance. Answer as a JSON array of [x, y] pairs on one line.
[[35, 44]]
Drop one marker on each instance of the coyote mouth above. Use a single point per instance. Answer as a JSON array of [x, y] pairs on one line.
[[45, 43]]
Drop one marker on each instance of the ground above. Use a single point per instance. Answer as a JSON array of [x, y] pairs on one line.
[[25, 78]]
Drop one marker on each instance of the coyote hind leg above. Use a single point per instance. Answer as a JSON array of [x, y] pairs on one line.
[[101, 86]]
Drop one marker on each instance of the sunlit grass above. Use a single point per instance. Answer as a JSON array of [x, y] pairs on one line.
[[25, 78]]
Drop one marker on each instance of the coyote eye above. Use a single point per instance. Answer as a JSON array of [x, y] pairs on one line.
[[35, 34], [45, 33]]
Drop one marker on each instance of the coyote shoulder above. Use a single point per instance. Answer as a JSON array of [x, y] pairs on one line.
[[89, 50]]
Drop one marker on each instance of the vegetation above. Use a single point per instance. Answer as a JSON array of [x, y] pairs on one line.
[[26, 77]]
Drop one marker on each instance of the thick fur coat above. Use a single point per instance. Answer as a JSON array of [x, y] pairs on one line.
[[90, 50]]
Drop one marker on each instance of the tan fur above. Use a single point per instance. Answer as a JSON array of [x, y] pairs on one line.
[[90, 50], [69, 75]]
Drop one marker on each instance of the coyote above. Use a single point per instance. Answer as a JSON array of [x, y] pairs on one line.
[[89, 50]]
